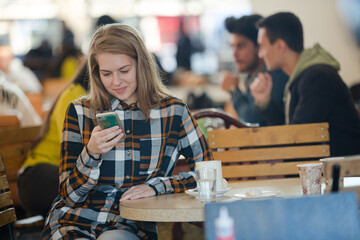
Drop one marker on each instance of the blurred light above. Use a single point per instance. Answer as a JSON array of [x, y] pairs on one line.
[[29, 11], [194, 8], [150, 29], [158, 8]]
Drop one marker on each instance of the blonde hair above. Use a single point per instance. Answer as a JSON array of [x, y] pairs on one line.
[[122, 39]]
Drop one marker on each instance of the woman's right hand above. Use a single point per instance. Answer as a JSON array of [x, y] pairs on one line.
[[103, 140]]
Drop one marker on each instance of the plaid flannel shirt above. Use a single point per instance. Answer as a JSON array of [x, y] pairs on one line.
[[90, 189]]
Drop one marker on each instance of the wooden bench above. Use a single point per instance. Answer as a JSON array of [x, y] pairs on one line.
[[14, 145], [268, 152]]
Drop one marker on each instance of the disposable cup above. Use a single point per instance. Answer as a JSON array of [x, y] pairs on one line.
[[310, 176]]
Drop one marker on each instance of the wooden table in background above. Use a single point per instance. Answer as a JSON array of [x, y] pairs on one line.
[[181, 207]]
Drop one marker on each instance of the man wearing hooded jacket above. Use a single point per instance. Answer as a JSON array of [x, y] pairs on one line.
[[314, 93]]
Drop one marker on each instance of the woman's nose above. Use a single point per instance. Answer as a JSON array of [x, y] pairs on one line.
[[116, 79]]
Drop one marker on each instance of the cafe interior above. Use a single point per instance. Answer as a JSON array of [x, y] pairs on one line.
[[266, 172]]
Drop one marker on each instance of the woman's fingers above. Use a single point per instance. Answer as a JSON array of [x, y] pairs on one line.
[[136, 192], [103, 140]]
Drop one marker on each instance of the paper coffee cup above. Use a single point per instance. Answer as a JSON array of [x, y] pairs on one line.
[[310, 176], [213, 164]]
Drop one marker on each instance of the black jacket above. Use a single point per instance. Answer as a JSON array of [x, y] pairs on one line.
[[318, 94]]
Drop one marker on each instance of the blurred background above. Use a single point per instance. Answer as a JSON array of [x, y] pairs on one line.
[[43, 32]]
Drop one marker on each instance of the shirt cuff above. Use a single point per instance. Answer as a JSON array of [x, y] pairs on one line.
[[93, 155]]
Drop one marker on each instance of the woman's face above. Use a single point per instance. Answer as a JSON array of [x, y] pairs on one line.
[[118, 75]]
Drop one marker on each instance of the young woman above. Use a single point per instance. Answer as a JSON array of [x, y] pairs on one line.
[[101, 167]]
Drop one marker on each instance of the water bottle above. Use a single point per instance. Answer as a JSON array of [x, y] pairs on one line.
[[224, 225]]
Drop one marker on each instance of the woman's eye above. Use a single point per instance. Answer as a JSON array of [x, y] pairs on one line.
[[106, 74]]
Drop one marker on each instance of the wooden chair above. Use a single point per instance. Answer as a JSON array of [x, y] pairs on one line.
[[53, 86], [229, 121], [269, 152], [9, 121], [348, 166], [226, 117], [14, 145], [7, 211], [36, 100]]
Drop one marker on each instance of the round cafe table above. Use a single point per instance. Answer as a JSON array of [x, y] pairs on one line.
[[181, 207]]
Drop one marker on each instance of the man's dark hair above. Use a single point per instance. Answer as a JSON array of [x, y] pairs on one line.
[[246, 26], [286, 26]]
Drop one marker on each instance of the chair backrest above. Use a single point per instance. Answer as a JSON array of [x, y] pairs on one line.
[[14, 145], [9, 121], [272, 151], [53, 86], [348, 166], [227, 118], [36, 100], [7, 211], [329, 216]]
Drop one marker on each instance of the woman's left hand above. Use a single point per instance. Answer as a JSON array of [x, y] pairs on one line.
[[138, 191]]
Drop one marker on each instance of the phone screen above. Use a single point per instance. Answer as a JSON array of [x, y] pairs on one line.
[[108, 121]]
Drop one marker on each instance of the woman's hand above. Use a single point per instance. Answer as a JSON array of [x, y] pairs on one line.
[[138, 191], [103, 140]]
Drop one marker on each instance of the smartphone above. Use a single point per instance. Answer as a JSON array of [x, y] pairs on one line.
[[108, 120]]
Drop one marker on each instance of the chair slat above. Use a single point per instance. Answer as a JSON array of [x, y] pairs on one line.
[[5, 199], [7, 216], [269, 136], [3, 183], [9, 136], [261, 169], [2, 167], [276, 153], [8, 121], [14, 150]]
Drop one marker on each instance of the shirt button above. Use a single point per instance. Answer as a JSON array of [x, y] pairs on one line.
[[127, 176], [115, 207], [108, 221], [128, 131], [127, 111], [128, 153]]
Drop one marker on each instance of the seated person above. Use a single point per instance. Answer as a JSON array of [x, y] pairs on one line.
[[101, 167], [13, 99], [17, 73], [245, 51], [315, 91], [41, 167]]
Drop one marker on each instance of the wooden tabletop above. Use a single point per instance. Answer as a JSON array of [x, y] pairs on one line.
[[181, 207]]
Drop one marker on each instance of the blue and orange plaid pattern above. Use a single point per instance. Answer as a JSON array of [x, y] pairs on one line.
[[90, 189]]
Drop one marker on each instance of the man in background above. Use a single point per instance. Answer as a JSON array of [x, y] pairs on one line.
[[315, 91], [16, 72], [245, 51], [14, 101]]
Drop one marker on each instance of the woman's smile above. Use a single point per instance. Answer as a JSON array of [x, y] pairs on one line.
[[120, 90]]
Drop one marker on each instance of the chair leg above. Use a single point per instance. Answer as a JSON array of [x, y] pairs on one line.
[[10, 232]]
